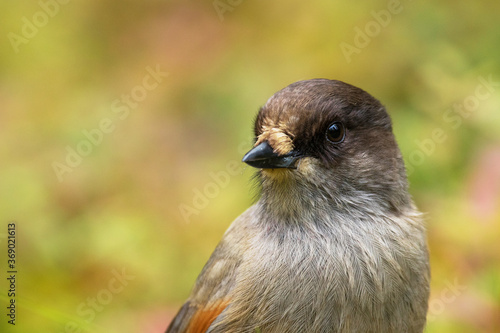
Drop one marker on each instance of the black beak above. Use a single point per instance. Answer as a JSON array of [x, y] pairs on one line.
[[263, 157]]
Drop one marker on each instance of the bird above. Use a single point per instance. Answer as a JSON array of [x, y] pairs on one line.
[[334, 242]]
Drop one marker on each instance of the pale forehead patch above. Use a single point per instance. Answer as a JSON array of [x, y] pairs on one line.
[[277, 138]]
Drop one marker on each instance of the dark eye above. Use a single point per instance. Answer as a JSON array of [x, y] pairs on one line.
[[335, 132]]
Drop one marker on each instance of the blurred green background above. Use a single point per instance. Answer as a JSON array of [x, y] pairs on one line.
[[123, 123]]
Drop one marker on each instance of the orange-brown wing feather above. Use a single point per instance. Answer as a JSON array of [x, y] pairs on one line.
[[203, 318], [196, 319]]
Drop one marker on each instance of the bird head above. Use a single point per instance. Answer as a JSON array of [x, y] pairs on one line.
[[324, 140]]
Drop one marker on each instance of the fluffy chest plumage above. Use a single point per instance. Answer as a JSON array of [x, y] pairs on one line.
[[340, 276]]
